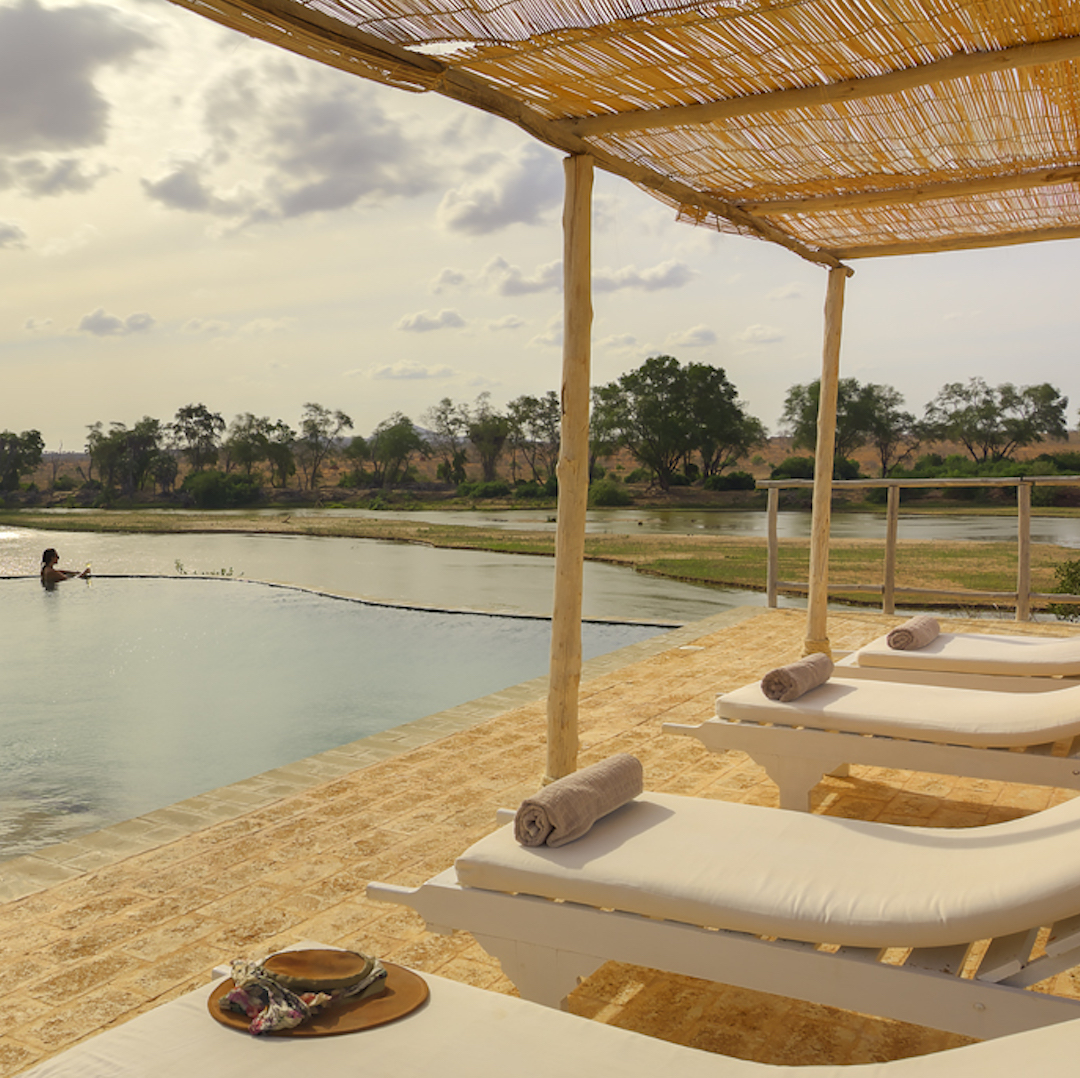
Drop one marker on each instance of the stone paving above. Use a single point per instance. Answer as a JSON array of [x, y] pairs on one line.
[[112, 924]]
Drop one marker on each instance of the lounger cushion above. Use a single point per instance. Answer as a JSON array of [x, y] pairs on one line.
[[943, 714], [802, 877], [465, 1032], [980, 653], [462, 1032]]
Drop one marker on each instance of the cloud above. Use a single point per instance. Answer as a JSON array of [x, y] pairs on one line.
[[618, 342], [101, 324], [49, 60], [185, 188], [448, 278], [791, 290], [37, 325], [552, 337], [422, 322], [59, 246], [670, 274], [311, 141], [12, 237], [506, 280], [758, 334], [510, 321], [695, 337], [42, 177], [517, 188], [262, 327], [409, 371], [204, 326], [337, 146]]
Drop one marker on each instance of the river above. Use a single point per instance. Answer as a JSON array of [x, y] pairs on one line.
[[477, 580]]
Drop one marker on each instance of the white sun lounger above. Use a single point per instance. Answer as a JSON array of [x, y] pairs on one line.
[[976, 653], [1001, 728], [464, 1032], [810, 907]]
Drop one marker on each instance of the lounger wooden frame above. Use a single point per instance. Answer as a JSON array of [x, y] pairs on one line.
[[546, 947], [797, 757]]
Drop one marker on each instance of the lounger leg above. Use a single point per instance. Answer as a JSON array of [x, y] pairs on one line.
[[794, 777], [541, 974]]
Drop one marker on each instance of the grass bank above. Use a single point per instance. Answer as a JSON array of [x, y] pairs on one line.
[[708, 560]]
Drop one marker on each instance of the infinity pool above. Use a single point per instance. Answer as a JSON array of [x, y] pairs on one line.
[[122, 696]]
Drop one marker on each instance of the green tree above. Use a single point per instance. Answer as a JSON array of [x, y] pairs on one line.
[[280, 440], [20, 454], [604, 423], [145, 441], [665, 413], [358, 452], [488, 431], [320, 430], [448, 424], [894, 433], [800, 416], [196, 431], [392, 445], [721, 430], [126, 457], [990, 422], [163, 470], [535, 431], [247, 442], [105, 452], [649, 410]]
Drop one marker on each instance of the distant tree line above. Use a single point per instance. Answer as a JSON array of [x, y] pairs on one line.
[[681, 423], [990, 422]]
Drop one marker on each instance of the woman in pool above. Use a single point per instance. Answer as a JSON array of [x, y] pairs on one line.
[[49, 572]]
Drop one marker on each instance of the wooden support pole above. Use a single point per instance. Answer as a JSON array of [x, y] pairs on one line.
[[572, 470], [817, 635], [892, 524], [773, 572], [1023, 552]]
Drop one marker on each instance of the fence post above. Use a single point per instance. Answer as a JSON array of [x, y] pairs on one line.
[[1023, 552], [773, 571], [892, 523]]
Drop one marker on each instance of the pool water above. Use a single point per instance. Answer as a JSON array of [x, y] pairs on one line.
[[122, 696]]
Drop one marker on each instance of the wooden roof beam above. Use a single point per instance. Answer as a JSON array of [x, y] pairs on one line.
[[909, 195], [962, 66], [959, 243]]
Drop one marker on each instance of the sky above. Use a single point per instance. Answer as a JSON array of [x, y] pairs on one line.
[[191, 216]]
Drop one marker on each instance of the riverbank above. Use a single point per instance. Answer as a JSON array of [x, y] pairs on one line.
[[709, 560]]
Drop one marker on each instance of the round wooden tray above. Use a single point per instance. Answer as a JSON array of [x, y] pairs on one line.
[[405, 991]]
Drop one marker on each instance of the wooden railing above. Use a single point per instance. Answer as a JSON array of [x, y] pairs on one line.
[[1021, 598]]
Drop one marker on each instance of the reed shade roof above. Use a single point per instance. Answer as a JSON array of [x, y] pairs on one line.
[[840, 130]]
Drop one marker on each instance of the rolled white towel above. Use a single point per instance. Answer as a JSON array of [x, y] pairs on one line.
[[914, 633], [566, 809], [787, 683]]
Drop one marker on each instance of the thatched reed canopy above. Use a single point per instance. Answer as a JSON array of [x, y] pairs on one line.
[[839, 130]]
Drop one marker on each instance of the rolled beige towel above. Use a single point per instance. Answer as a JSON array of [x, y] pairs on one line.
[[787, 683], [914, 633], [566, 809]]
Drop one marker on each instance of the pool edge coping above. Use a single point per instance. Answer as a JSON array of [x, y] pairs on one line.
[[29, 874]]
